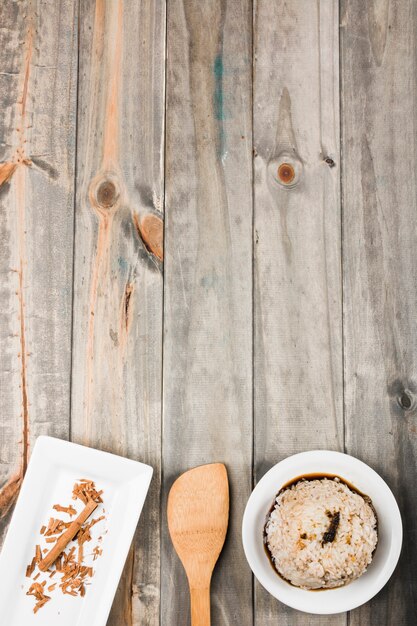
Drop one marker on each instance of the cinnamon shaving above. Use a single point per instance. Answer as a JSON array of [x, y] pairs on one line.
[[36, 589], [68, 563], [96, 521], [31, 567], [65, 509], [86, 491], [97, 552]]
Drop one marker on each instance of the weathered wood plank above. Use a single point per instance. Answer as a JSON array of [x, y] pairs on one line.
[[208, 307], [117, 347], [379, 87], [38, 68], [297, 288]]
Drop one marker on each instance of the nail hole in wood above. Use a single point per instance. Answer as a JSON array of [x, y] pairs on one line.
[[329, 162]]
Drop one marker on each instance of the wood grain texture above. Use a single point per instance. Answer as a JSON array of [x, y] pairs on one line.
[[297, 272], [38, 50], [226, 261], [117, 347], [207, 414], [379, 89]]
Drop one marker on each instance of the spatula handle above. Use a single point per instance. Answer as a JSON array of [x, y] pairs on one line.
[[200, 607]]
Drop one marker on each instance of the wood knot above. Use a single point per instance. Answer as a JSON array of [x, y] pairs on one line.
[[286, 173], [405, 399], [285, 170], [150, 229], [402, 394], [6, 171], [106, 194], [329, 161]]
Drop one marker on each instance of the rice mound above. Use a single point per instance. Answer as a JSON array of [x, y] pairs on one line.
[[297, 534]]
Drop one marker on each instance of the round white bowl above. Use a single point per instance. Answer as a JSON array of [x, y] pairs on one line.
[[365, 480]]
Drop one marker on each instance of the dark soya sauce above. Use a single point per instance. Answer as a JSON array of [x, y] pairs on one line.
[[290, 484]]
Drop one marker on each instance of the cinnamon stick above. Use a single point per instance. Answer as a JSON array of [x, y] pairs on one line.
[[67, 536]]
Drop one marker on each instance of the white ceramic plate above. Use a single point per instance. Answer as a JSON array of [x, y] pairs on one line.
[[389, 531], [54, 467]]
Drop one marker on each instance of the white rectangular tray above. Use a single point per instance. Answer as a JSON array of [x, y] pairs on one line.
[[54, 467]]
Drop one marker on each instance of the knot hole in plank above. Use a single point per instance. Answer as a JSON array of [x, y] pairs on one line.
[[285, 170], [403, 394], [104, 193], [406, 400]]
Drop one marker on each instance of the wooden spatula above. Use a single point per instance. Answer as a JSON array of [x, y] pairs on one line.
[[198, 514]]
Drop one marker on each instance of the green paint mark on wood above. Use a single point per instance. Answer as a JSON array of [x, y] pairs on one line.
[[218, 92], [219, 103]]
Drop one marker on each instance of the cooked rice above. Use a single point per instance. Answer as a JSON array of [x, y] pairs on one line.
[[297, 525]]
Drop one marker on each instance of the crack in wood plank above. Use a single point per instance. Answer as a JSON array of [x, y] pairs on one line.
[[20, 206], [126, 314], [20, 198]]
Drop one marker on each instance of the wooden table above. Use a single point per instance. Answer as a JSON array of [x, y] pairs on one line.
[[276, 310]]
